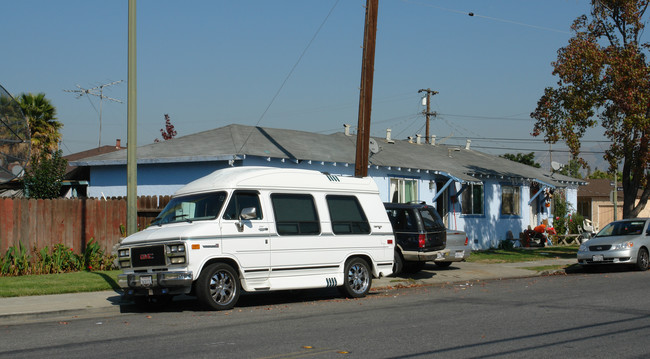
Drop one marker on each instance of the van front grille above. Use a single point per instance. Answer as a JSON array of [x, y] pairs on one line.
[[148, 256]]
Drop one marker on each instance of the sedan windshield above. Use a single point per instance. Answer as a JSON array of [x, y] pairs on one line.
[[191, 208], [624, 228]]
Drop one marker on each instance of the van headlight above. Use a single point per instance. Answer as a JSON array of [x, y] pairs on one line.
[[176, 253], [124, 257]]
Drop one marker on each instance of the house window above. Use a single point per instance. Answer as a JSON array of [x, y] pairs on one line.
[[403, 190], [472, 199], [295, 214], [510, 200]]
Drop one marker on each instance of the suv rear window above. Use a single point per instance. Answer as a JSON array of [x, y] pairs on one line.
[[431, 219]]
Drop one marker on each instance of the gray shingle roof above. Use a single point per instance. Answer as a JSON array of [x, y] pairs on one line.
[[234, 142]]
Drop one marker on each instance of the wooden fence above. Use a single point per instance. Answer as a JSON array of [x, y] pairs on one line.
[[43, 223]]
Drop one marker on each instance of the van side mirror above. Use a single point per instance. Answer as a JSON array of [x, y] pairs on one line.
[[246, 213]]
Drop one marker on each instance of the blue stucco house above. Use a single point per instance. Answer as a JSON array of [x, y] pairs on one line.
[[489, 197]]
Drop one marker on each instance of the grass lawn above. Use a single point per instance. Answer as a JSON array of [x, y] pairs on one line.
[[523, 254], [58, 283]]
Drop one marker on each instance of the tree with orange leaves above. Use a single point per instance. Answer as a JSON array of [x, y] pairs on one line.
[[604, 78]]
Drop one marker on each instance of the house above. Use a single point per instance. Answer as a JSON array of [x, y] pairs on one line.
[[75, 181], [595, 202], [489, 197]]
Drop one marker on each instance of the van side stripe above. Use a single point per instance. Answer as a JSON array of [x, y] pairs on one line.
[[302, 268], [256, 270]]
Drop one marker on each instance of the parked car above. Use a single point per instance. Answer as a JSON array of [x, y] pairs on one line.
[[620, 242], [458, 246], [420, 235]]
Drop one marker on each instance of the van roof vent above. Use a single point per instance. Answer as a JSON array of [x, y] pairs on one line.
[[333, 178]]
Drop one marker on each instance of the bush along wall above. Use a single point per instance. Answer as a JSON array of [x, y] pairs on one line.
[[18, 260]]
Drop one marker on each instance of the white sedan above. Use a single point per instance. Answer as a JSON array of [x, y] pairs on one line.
[[621, 242]]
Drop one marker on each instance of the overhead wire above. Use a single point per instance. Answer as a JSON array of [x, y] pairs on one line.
[[473, 14], [277, 93]]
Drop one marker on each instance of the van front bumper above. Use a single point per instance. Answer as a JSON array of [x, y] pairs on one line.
[[156, 283]]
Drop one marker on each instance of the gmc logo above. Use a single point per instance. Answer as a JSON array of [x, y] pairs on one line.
[[146, 256]]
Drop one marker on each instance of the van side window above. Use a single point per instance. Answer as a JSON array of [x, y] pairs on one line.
[[347, 215], [241, 200], [295, 214]]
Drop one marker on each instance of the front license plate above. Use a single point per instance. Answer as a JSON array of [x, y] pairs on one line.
[[597, 258], [459, 254], [145, 280]]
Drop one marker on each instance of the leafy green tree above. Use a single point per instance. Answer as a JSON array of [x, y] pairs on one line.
[[527, 159], [44, 177], [598, 174], [41, 116], [604, 78]]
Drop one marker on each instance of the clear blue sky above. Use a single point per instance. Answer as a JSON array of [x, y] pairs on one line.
[[212, 63]]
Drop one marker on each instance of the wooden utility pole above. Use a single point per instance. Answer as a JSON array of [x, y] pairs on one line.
[[132, 134], [428, 112], [365, 96]]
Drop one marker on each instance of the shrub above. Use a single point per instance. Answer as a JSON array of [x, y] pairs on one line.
[[60, 259], [16, 261]]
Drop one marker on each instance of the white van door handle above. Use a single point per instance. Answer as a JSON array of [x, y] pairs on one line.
[[377, 226], [263, 229]]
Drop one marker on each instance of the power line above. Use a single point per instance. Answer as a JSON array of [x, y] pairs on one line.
[[489, 17], [277, 93]]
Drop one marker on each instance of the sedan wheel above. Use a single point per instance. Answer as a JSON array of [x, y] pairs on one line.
[[642, 260]]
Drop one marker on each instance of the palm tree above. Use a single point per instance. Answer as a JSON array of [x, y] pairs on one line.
[[41, 116]]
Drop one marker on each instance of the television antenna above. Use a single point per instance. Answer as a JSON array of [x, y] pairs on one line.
[[15, 138], [94, 91]]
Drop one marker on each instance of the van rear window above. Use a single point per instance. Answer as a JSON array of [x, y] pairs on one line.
[[295, 214], [347, 215]]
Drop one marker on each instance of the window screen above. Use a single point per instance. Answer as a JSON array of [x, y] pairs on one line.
[[347, 215], [295, 214]]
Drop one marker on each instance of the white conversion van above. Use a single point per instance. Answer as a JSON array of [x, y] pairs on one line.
[[260, 229]]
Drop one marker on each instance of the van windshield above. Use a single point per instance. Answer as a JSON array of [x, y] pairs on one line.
[[190, 208]]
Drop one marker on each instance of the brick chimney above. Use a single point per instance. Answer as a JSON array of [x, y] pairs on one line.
[[118, 143]]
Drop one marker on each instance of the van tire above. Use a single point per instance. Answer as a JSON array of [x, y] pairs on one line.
[[357, 278], [218, 287]]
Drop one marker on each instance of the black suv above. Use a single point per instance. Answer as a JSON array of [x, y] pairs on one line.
[[420, 235]]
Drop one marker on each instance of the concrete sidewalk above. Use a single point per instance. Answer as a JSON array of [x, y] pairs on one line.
[[22, 309]]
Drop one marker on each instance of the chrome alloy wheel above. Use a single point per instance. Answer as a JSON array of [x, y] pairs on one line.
[[222, 287], [358, 278]]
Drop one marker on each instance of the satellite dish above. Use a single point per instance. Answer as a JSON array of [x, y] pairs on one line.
[[556, 166], [15, 138], [374, 147]]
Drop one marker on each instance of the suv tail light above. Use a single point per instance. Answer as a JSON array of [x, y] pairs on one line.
[[466, 240], [422, 238]]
